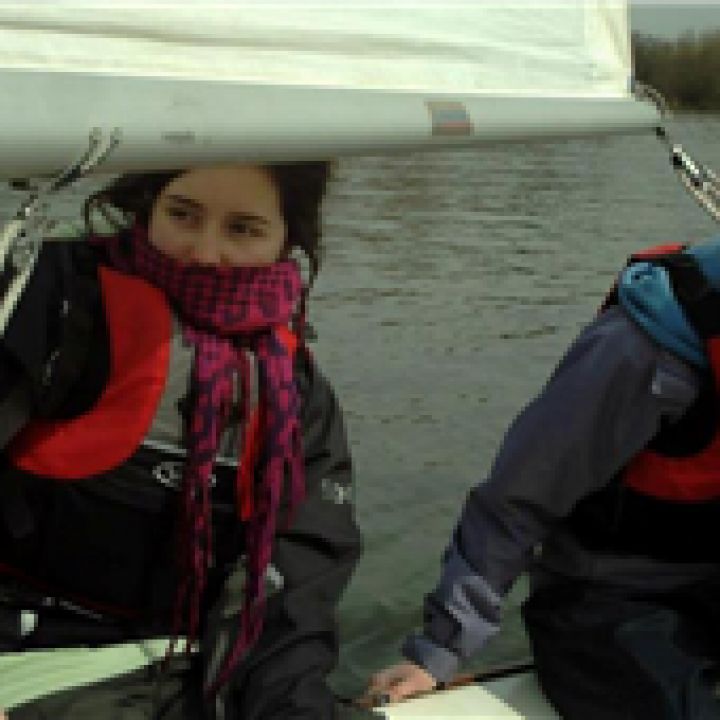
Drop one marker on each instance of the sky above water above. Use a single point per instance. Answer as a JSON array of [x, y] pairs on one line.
[[669, 19]]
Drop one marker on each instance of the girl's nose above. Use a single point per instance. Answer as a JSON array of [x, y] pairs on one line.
[[205, 249]]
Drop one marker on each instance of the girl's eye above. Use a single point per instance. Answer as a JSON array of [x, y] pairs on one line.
[[178, 213], [245, 229]]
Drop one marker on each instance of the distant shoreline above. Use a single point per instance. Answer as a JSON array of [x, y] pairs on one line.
[[685, 70]]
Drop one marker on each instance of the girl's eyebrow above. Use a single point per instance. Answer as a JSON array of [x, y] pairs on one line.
[[186, 201], [235, 215], [259, 219]]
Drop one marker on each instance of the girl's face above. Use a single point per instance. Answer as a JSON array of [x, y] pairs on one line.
[[225, 215]]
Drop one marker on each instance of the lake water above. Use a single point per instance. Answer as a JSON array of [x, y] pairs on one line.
[[452, 283]]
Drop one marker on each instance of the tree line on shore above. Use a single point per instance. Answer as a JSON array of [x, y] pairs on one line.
[[685, 70]]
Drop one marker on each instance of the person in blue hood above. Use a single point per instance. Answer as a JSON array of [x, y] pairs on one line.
[[606, 489]]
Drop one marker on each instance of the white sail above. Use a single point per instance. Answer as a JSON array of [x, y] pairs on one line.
[[191, 82]]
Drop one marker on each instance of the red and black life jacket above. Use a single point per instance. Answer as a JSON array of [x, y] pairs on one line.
[[694, 477], [140, 327], [84, 518], [666, 502]]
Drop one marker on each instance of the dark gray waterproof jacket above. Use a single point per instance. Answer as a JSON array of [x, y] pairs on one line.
[[611, 395], [53, 363]]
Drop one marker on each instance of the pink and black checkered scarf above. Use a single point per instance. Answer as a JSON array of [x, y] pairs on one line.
[[226, 311]]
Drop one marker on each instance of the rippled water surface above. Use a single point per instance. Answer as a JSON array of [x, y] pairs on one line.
[[452, 283]]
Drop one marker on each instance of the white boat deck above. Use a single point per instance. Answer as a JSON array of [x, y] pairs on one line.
[[510, 698]]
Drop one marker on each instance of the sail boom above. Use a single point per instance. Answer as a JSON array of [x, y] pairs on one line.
[[186, 123]]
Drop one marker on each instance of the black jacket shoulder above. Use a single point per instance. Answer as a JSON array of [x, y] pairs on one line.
[[56, 335]]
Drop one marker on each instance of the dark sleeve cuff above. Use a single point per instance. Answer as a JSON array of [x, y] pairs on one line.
[[440, 662]]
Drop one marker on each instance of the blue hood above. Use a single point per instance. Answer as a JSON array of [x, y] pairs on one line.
[[644, 291]]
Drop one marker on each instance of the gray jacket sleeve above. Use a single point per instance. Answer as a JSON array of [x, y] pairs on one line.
[[602, 405]]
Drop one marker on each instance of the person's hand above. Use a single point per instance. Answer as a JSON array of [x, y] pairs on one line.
[[398, 682]]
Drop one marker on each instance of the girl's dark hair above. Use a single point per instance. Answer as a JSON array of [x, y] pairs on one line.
[[301, 187]]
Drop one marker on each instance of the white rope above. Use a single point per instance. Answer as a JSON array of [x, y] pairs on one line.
[[22, 237]]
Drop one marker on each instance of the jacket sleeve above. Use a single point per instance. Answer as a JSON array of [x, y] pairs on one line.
[[603, 404], [26, 346], [54, 331], [284, 676]]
